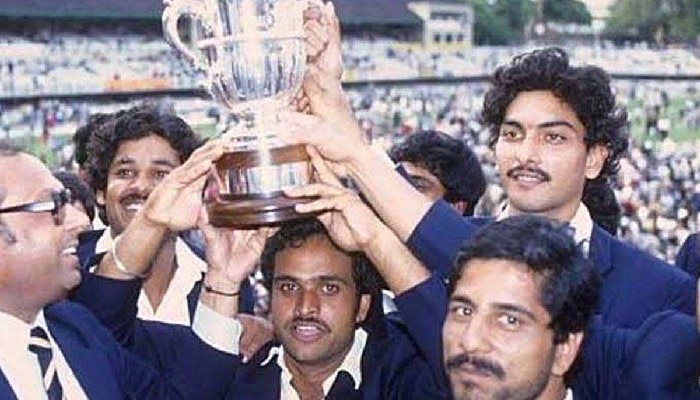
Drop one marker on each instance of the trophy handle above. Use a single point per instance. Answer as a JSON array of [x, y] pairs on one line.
[[197, 10]]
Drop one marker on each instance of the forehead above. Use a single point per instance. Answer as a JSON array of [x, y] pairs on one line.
[[536, 107], [146, 149], [489, 281], [316, 257], [23, 178]]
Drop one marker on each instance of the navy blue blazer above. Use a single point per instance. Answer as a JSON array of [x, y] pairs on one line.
[[635, 285], [87, 242], [403, 361], [688, 257], [658, 360], [106, 371]]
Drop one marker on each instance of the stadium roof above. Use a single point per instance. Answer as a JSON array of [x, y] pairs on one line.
[[394, 12]]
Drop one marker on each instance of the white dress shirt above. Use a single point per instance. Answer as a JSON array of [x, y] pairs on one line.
[[218, 331], [569, 395], [21, 367], [581, 222], [173, 308]]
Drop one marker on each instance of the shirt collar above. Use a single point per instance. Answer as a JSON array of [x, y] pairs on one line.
[[352, 363], [581, 222], [14, 332], [569, 395], [104, 243]]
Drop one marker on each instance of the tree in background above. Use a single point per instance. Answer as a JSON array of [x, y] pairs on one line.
[[566, 11], [502, 22], [658, 21]]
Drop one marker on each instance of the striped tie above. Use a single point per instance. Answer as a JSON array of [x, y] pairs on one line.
[[39, 344]]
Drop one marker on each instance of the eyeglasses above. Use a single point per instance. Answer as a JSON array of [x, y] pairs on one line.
[[56, 206]]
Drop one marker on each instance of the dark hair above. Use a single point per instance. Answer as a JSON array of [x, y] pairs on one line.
[[294, 234], [450, 160], [80, 191], [569, 282], [135, 123], [83, 134], [585, 89], [8, 149], [605, 211]]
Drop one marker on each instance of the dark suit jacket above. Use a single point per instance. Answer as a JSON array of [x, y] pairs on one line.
[[87, 259], [688, 258], [658, 360], [106, 371], [403, 361], [635, 285]]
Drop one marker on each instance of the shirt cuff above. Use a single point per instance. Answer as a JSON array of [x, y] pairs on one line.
[[219, 332]]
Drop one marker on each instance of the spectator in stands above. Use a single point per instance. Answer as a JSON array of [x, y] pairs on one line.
[[83, 198], [441, 167]]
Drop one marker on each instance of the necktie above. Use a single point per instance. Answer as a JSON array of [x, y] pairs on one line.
[[39, 344]]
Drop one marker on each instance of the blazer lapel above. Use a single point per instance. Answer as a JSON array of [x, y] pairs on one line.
[[343, 388], [258, 382], [6, 391], [89, 365]]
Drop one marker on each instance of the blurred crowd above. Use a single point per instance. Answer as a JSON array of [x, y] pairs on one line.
[[658, 186], [65, 63]]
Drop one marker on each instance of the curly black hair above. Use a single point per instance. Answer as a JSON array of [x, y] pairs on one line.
[[605, 211], [450, 160], [82, 136], [79, 189], [585, 89], [135, 123], [569, 282], [294, 234]]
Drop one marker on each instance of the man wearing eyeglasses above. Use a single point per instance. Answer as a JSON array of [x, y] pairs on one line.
[[52, 348]]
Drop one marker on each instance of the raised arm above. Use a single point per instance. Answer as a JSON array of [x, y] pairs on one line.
[[173, 206]]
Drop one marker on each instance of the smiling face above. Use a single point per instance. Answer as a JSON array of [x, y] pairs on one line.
[[138, 166], [542, 158], [40, 265], [314, 302], [497, 343]]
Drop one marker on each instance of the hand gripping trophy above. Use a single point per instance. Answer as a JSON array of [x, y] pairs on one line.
[[253, 55]]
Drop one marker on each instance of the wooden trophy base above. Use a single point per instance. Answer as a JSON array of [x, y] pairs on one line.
[[254, 211]]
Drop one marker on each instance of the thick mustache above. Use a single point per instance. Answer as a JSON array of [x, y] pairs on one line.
[[545, 176], [480, 364], [311, 321]]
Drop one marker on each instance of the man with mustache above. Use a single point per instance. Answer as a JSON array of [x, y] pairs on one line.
[[556, 132], [51, 348], [320, 295], [522, 297], [321, 289], [128, 155]]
